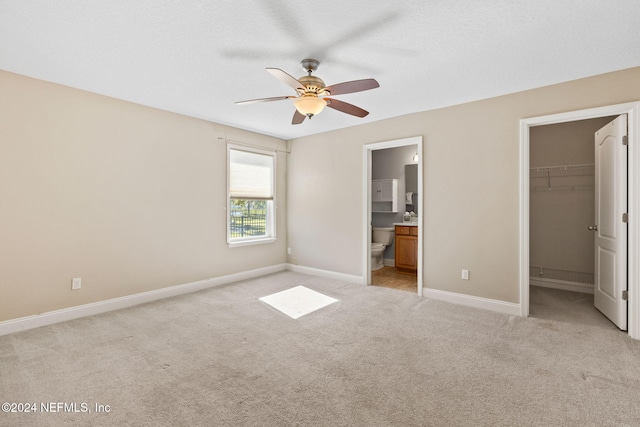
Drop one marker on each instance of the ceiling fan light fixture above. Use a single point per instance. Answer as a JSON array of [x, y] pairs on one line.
[[309, 105], [311, 93]]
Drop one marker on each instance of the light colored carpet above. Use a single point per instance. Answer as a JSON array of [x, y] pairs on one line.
[[377, 357]]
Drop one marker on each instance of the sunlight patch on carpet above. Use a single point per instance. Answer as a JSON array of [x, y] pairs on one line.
[[298, 301]]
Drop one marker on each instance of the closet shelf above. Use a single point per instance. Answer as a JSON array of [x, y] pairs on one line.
[[566, 276], [567, 177], [562, 171]]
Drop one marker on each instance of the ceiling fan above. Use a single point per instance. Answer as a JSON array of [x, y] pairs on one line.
[[313, 95]]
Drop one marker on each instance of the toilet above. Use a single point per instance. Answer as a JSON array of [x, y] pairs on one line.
[[381, 238]]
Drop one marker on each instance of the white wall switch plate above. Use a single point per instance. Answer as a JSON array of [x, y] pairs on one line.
[[465, 274], [76, 283]]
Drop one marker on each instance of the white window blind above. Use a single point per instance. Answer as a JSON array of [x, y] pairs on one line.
[[250, 175]]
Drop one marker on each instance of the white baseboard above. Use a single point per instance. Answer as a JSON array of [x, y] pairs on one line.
[[325, 273], [51, 317], [467, 300], [472, 301], [389, 262], [565, 286]]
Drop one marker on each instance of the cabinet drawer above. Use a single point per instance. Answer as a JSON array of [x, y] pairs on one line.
[[409, 231]]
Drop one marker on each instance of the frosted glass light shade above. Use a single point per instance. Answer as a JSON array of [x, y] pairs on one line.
[[309, 105]]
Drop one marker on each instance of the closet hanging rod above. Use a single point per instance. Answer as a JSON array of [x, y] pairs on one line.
[[561, 176], [561, 167], [567, 171]]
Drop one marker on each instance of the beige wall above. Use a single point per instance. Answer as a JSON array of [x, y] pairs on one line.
[[127, 197], [471, 189], [132, 199]]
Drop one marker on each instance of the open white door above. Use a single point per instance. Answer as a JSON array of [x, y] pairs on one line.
[[611, 221]]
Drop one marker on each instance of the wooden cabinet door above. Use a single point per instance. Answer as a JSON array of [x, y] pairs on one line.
[[407, 253]]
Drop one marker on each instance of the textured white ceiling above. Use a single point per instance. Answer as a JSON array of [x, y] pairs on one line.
[[196, 57]]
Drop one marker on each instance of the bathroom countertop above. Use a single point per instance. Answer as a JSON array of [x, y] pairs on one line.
[[406, 224]]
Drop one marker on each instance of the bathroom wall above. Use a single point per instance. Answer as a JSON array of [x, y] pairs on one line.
[[388, 164]]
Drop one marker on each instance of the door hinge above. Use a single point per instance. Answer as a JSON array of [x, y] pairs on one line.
[[625, 295], [625, 217], [625, 140]]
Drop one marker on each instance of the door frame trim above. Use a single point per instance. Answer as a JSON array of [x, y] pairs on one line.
[[632, 109], [366, 198]]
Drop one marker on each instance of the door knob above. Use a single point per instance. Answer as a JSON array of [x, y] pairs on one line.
[[593, 227]]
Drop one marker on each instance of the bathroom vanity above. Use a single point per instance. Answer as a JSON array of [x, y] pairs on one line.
[[406, 237]]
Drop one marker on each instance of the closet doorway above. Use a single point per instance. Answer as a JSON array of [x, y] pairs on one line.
[[556, 181], [561, 220]]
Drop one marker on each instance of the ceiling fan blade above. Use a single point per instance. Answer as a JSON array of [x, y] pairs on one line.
[[285, 78], [254, 101], [345, 107], [297, 118], [352, 86]]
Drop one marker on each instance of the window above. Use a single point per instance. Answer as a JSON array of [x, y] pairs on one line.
[[251, 194]]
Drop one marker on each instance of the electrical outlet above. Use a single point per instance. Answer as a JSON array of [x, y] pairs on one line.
[[288, 251], [465, 274], [76, 283]]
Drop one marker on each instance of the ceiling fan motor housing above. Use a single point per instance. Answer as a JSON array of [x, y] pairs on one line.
[[313, 85]]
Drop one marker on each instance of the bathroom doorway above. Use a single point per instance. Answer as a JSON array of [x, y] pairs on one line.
[[396, 165]]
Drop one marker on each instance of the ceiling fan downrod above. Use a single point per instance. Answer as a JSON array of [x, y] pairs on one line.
[[310, 65]]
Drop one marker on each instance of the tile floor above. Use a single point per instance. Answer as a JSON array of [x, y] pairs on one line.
[[387, 277]]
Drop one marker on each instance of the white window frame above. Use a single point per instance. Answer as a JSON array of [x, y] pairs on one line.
[[270, 227]]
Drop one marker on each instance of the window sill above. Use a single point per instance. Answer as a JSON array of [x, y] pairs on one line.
[[239, 243]]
